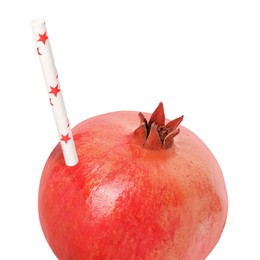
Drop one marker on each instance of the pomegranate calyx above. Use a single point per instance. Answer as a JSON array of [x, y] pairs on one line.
[[155, 134]]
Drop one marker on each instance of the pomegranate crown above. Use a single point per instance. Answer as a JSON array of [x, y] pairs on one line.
[[155, 134]]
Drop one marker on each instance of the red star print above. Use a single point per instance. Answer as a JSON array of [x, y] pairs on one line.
[[38, 51], [55, 90], [65, 138], [43, 38], [51, 102]]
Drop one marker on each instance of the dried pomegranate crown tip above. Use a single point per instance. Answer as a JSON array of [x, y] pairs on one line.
[[155, 134]]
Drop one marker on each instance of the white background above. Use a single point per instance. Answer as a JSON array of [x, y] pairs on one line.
[[201, 58]]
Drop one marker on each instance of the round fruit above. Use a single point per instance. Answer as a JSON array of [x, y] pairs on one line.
[[148, 192]]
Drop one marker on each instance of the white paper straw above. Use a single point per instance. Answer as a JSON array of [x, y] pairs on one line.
[[54, 91]]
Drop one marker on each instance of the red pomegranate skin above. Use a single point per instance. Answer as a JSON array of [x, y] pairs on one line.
[[123, 201]]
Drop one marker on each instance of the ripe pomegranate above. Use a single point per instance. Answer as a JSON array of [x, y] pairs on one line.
[[153, 191]]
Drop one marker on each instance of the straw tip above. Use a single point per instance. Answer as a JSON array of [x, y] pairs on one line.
[[37, 21]]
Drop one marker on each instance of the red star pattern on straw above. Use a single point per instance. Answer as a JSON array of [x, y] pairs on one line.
[[51, 102], [38, 50], [55, 90], [65, 138], [43, 38]]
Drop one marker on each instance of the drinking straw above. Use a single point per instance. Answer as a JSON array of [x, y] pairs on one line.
[[54, 91]]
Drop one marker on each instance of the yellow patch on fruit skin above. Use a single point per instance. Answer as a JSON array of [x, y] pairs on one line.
[[103, 198]]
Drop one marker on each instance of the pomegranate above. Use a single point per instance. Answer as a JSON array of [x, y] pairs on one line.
[[141, 190]]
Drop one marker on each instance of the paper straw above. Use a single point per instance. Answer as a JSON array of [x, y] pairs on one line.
[[54, 91]]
